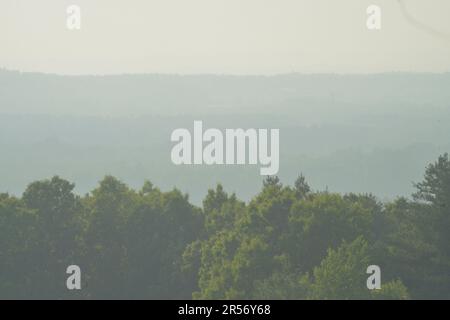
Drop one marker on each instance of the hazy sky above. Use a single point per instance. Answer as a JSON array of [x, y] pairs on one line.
[[222, 36]]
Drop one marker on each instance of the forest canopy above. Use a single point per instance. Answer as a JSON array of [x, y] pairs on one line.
[[288, 242]]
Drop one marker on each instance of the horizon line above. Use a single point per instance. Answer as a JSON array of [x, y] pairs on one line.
[[265, 75]]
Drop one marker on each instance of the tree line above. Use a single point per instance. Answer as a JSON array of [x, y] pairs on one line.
[[288, 242]]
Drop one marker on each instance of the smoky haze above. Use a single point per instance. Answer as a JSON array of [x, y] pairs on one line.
[[224, 36], [87, 182], [349, 133]]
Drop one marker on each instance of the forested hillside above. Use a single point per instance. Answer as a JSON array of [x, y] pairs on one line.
[[350, 133], [288, 242]]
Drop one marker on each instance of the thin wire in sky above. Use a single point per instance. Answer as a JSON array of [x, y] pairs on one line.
[[422, 26]]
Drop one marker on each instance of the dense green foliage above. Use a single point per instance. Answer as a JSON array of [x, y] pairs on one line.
[[286, 243]]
